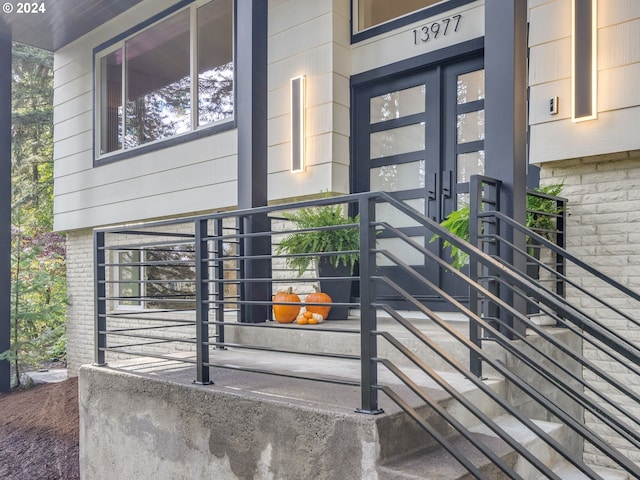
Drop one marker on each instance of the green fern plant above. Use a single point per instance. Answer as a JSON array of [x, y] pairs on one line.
[[309, 244], [538, 219]]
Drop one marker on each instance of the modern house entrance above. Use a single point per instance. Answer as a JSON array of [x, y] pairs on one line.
[[420, 135]]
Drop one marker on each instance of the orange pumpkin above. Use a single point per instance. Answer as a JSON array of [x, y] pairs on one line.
[[318, 297], [285, 313]]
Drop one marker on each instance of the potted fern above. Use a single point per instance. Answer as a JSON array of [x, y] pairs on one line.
[[306, 245], [540, 211]]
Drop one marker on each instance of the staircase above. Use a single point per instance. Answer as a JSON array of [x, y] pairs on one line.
[[488, 391], [406, 451]]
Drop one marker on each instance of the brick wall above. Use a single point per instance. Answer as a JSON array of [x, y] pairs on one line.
[[603, 229], [80, 292]]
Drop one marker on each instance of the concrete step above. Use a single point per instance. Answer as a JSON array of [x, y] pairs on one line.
[[439, 465], [345, 338], [566, 471]]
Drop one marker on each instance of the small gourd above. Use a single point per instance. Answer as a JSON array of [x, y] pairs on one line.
[[309, 318], [318, 297], [285, 313]]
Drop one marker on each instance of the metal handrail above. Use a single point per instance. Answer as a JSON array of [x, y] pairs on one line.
[[213, 304]]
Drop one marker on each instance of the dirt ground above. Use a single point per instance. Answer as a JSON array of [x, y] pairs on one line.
[[39, 432]]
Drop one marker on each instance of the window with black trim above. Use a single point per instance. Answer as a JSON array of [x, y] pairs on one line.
[[375, 12], [156, 278], [168, 79]]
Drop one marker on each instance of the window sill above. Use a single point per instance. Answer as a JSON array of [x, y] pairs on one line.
[[165, 143]]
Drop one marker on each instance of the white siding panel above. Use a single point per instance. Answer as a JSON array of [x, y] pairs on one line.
[[69, 146], [73, 70], [289, 14], [79, 124], [550, 62], [341, 150], [165, 182], [147, 208], [613, 131], [279, 158], [301, 38], [279, 130], [549, 22], [278, 101], [341, 90], [74, 107], [313, 179], [340, 178], [619, 87], [619, 45], [198, 152], [611, 12], [72, 89], [73, 164], [539, 101], [320, 119], [320, 149], [311, 62]]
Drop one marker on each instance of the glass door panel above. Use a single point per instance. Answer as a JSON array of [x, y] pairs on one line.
[[398, 104], [396, 141]]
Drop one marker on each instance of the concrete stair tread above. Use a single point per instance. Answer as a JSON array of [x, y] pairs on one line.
[[567, 471], [440, 465], [421, 464]]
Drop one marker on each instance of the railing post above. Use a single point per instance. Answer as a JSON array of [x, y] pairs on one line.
[[219, 284], [560, 260], [368, 321], [202, 305], [475, 331], [100, 298]]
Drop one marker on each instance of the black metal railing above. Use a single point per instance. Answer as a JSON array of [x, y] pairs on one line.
[[544, 370]]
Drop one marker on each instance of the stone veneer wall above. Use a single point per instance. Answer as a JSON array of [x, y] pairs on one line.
[[80, 292], [604, 230]]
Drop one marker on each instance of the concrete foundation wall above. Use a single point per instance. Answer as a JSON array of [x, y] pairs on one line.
[[132, 427]]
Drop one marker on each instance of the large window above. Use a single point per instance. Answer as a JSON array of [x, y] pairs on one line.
[[156, 278], [173, 77], [374, 12]]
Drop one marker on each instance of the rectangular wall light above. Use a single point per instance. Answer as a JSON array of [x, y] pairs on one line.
[[584, 71], [297, 124]]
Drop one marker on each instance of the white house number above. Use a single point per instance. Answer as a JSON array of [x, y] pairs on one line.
[[431, 31]]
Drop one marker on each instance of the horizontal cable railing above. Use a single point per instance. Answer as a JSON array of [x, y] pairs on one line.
[[194, 290]]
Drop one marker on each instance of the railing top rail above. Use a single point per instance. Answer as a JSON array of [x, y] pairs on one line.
[[553, 247]]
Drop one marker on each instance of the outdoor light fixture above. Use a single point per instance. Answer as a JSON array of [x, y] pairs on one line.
[[297, 124], [584, 67]]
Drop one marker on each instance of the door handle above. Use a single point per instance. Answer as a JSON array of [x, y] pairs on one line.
[[432, 183], [432, 198], [447, 183]]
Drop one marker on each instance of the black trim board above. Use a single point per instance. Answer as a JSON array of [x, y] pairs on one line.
[[452, 53]]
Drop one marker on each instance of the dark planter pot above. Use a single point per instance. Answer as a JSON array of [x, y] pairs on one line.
[[338, 289]]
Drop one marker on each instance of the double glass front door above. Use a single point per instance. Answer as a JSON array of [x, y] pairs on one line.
[[420, 136]]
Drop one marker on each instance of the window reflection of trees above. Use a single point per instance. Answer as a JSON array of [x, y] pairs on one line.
[[166, 112]]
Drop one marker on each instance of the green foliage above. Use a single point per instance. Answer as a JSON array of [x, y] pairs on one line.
[[309, 243], [457, 223], [541, 222], [537, 218], [38, 283]]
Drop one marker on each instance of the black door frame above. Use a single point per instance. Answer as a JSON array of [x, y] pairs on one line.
[[468, 56]]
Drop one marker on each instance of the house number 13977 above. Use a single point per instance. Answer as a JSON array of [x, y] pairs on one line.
[[436, 29]]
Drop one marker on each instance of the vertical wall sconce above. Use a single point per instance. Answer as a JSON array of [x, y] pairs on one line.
[[584, 60], [297, 124]]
